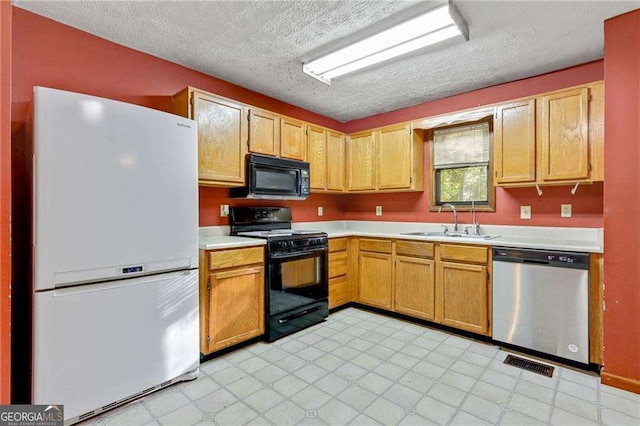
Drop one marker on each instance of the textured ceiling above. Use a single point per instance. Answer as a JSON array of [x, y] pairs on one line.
[[261, 44]]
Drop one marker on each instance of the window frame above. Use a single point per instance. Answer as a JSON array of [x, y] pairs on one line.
[[491, 188]]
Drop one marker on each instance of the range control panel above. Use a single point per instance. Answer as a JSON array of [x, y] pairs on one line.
[[542, 257]]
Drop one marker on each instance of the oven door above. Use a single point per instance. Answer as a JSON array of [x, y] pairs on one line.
[[296, 279]]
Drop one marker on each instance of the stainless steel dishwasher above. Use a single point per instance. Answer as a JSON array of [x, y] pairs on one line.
[[541, 301]]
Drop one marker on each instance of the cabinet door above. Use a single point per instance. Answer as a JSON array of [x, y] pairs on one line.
[[564, 130], [394, 157], [222, 138], [335, 161], [361, 153], [462, 296], [292, 139], [264, 132], [236, 306], [376, 279], [415, 287], [515, 142], [317, 157]]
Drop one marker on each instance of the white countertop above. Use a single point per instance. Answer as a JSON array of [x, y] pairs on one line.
[[590, 240], [226, 241]]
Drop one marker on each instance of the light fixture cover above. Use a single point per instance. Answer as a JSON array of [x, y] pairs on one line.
[[436, 25]]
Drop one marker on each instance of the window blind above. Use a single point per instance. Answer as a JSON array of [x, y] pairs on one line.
[[461, 146]]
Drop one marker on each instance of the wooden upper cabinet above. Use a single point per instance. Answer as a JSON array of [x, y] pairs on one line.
[[515, 142], [264, 132], [394, 157], [222, 136], [596, 131], [335, 161], [317, 157], [386, 159], [293, 140], [564, 135], [361, 158]]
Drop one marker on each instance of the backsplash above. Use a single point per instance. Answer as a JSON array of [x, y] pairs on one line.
[[302, 211], [587, 207], [413, 207]]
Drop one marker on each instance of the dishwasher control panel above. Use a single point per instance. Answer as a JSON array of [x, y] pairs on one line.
[[543, 257]]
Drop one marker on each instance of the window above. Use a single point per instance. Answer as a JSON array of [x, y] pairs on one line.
[[461, 168]]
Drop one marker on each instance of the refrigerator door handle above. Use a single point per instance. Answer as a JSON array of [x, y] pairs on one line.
[[110, 285]]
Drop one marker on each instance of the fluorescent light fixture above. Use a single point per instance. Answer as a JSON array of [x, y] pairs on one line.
[[434, 26]]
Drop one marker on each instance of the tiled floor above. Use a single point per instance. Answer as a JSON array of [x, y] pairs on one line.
[[360, 368]]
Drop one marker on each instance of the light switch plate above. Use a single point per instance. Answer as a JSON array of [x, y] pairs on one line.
[[525, 212], [224, 210], [320, 211], [378, 210], [565, 210]]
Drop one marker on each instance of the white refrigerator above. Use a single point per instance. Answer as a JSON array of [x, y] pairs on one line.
[[115, 251]]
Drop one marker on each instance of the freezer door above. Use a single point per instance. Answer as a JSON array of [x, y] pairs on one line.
[[115, 188], [100, 343]]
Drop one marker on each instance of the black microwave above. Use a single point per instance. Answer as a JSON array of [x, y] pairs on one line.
[[270, 178]]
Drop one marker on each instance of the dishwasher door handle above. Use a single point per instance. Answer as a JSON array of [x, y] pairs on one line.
[[537, 262]]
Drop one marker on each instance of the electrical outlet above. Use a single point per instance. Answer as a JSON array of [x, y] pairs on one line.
[[320, 211], [224, 210], [565, 210], [525, 212], [378, 210]]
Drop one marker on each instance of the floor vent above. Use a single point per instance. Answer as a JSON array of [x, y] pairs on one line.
[[525, 364], [85, 415]]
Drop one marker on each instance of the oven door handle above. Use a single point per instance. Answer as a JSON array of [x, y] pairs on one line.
[[299, 314], [300, 253]]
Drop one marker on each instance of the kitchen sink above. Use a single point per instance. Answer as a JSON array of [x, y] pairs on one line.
[[451, 235]]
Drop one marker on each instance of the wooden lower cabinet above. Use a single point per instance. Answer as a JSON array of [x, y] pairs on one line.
[[415, 287], [463, 296], [236, 306], [444, 283], [339, 291], [231, 298], [375, 279]]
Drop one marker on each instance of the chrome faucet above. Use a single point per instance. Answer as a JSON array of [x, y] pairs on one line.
[[476, 225], [455, 215]]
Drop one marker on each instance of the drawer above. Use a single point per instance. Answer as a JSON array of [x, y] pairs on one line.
[[377, 246], [464, 253], [338, 292], [337, 264], [337, 244], [237, 257], [414, 248]]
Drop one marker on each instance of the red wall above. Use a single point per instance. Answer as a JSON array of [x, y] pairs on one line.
[[573, 76], [48, 53], [43, 51], [302, 211], [5, 201], [621, 197], [586, 203], [545, 210]]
